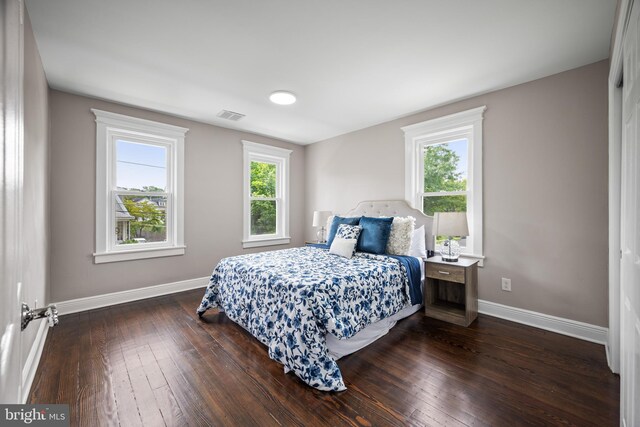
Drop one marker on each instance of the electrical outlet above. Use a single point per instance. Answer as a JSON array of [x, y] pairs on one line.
[[506, 284]]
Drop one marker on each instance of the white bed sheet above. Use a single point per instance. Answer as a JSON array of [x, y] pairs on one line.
[[339, 348]]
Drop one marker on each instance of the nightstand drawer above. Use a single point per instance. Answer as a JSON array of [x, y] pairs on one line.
[[452, 273]]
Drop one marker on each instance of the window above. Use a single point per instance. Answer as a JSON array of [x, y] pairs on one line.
[[443, 171], [139, 188], [266, 195]]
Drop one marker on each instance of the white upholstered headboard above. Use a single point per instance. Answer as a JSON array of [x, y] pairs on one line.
[[394, 208]]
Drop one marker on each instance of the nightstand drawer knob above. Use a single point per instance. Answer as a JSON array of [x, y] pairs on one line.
[[443, 272]]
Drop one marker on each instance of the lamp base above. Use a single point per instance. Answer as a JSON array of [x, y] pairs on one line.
[[450, 250], [320, 235]]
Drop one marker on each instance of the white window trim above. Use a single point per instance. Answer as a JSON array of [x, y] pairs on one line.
[[280, 156], [108, 127], [417, 136]]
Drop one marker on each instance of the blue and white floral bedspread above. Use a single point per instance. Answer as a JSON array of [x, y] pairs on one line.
[[290, 299]]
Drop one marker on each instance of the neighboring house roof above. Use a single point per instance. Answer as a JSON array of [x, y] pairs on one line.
[[147, 200], [122, 213], [157, 201]]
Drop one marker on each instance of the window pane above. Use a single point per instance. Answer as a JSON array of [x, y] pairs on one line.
[[263, 180], [432, 204], [445, 166], [140, 219], [263, 217], [445, 204], [141, 167]]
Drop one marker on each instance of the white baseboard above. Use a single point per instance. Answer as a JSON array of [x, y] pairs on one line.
[[572, 328], [89, 303], [33, 359]]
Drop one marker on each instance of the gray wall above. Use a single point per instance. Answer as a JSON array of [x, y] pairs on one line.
[[36, 183], [545, 188], [213, 201], [545, 193]]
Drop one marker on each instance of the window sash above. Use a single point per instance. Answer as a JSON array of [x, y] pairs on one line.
[[445, 193], [141, 193], [468, 247], [443, 141], [268, 161], [168, 219], [149, 140], [278, 217]]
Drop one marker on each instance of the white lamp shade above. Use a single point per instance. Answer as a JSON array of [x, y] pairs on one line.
[[320, 218], [450, 224]]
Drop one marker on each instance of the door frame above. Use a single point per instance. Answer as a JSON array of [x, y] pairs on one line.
[[615, 158], [11, 188]]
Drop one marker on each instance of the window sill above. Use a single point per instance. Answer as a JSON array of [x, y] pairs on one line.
[[133, 254], [255, 243], [480, 258]]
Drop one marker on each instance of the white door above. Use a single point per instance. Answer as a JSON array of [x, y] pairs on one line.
[[630, 227], [11, 149]]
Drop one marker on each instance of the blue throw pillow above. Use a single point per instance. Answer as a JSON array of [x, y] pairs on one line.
[[374, 235], [337, 220]]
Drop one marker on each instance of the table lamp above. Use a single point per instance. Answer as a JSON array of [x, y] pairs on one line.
[[320, 220], [450, 224]]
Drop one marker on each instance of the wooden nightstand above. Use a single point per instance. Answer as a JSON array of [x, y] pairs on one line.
[[451, 290]]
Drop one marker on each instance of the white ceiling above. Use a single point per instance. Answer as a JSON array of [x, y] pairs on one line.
[[352, 63]]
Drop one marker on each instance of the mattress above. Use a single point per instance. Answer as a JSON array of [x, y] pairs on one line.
[[341, 347]]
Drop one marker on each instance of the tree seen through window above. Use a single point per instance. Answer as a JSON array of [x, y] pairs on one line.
[[442, 173]]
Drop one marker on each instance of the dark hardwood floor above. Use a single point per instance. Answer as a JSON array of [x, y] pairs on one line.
[[155, 363]]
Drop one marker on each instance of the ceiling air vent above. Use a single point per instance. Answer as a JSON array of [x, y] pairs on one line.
[[230, 115]]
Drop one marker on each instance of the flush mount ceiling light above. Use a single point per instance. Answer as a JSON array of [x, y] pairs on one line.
[[282, 97]]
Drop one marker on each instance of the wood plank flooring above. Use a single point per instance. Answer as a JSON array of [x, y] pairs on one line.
[[154, 363]]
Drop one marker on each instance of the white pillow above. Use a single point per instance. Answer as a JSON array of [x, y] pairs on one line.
[[418, 245], [343, 247], [401, 235]]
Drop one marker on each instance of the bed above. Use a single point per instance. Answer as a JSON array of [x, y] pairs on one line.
[[311, 307]]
